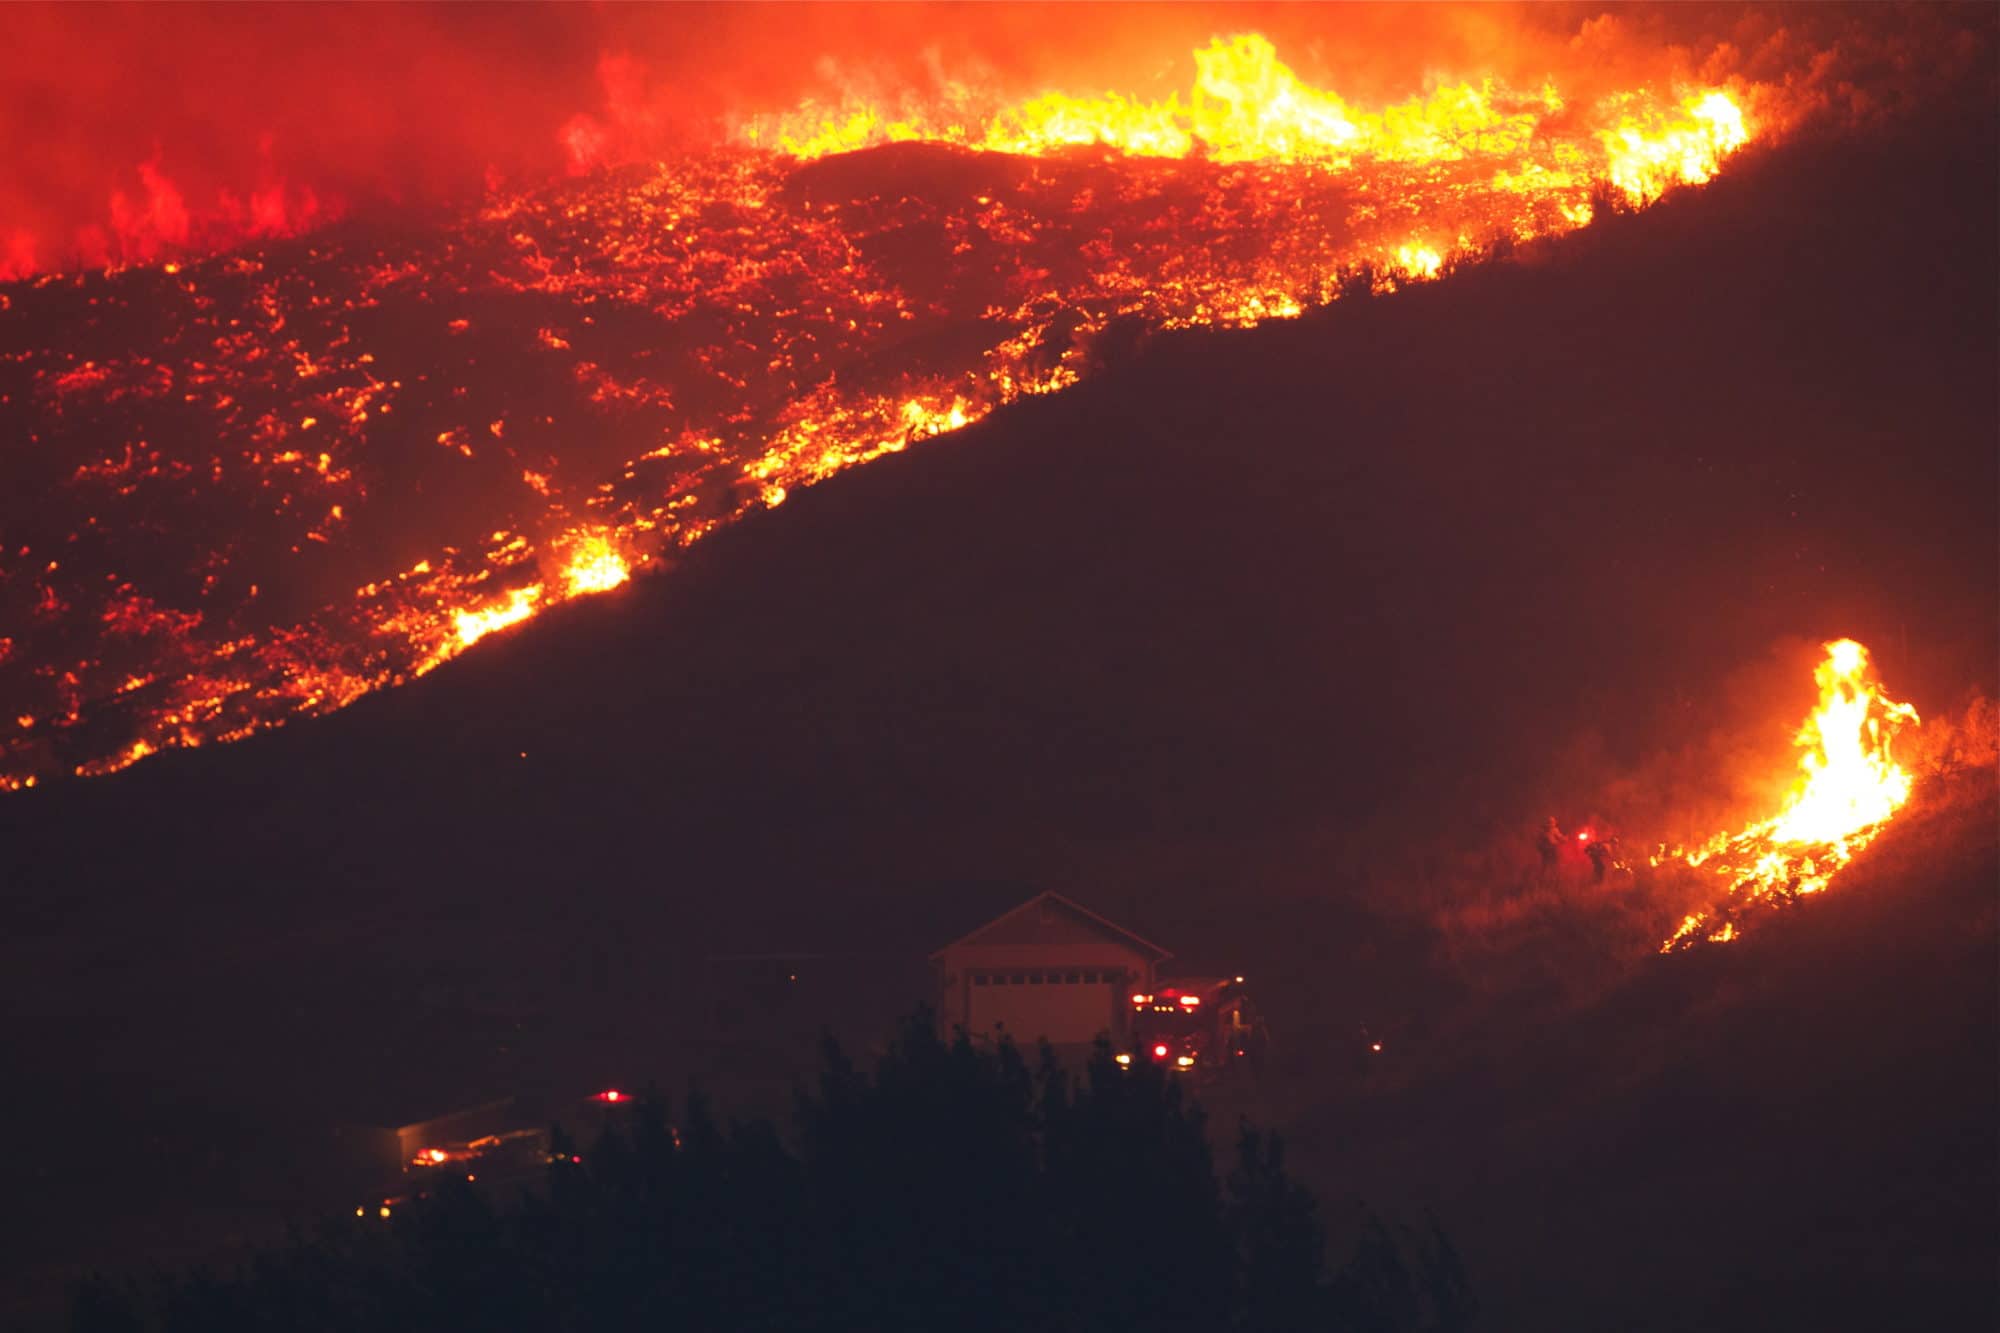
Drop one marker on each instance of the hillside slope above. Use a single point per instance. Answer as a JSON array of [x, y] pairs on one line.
[[1188, 642]]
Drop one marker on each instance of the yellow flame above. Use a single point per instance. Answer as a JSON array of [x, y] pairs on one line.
[[1247, 105], [1646, 151], [1417, 262], [594, 566], [472, 626], [923, 419], [1850, 789]]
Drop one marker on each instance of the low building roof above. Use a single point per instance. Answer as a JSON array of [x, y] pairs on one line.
[[1075, 909]]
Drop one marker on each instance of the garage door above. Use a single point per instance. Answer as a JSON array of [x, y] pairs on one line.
[[1031, 1004]]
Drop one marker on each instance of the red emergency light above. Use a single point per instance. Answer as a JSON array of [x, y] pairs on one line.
[[1160, 1051], [609, 1095]]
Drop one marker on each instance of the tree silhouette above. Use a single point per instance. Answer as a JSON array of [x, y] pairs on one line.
[[950, 1187]]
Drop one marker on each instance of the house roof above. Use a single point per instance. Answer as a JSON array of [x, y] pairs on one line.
[[1075, 908]]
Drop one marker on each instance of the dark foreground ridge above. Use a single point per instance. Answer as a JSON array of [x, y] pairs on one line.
[[1188, 643]]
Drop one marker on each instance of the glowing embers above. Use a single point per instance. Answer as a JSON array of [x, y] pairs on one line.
[[1850, 789], [394, 481]]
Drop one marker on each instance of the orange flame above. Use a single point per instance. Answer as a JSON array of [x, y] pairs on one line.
[[474, 625], [1850, 790], [158, 220], [1247, 105], [594, 566]]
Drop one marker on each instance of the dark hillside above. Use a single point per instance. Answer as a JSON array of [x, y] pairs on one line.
[[1796, 1133], [1195, 642]]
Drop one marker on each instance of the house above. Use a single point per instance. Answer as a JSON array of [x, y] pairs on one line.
[[1050, 969]]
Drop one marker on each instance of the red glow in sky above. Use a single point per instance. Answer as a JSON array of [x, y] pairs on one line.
[[135, 131]]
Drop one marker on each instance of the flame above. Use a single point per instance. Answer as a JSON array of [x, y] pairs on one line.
[[1247, 105], [157, 221], [1849, 790], [1646, 151], [474, 625], [1418, 262], [305, 392], [594, 566]]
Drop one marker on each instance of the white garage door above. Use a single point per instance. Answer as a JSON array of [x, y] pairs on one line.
[[1030, 1004]]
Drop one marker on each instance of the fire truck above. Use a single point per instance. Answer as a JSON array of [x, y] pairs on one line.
[[510, 1153], [1198, 1027]]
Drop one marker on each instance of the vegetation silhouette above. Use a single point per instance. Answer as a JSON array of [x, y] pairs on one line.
[[951, 1187]]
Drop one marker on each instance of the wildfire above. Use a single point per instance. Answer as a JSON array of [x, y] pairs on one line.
[[159, 221], [594, 566], [474, 625], [1247, 105], [571, 381], [1646, 151], [1850, 788]]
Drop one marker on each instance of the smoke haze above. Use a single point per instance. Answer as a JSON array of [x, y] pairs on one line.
[[134, 131]]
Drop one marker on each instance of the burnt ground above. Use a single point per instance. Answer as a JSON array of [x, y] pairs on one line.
[[1248, 642]]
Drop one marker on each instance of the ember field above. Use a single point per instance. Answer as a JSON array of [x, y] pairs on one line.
[[1274, 643], [263, 484]]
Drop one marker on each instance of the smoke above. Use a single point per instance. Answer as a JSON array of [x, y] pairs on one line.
[[134, 131]]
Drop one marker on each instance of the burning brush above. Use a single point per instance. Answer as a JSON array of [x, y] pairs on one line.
[[378, 480], [1850, 790]]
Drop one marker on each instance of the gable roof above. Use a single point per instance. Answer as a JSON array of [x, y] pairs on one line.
[[1050, 896]]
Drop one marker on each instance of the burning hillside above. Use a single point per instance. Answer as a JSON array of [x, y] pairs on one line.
[[1851, 788], [1268, 624], [263, 484]]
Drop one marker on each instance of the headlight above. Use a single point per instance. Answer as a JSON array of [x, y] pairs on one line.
[[1184, 1061], [1124, 1059]]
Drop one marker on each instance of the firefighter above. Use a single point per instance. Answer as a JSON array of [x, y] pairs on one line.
[[1604, 858], [1549, 843]]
